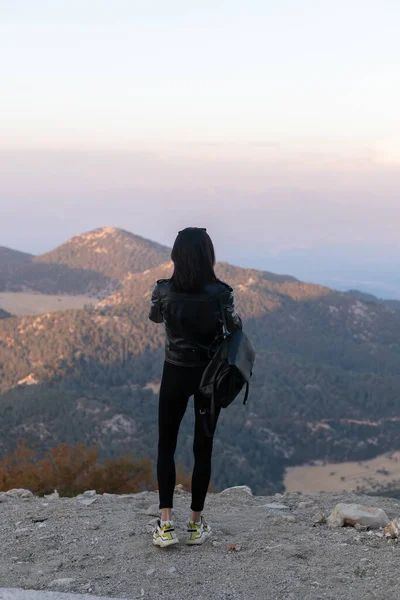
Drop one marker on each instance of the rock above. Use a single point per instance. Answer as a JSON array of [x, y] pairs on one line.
[[85, 501], [234, 547], [3, 497], [19, 493], [142, 495], [87, 498], [276, 506], [94, 526], [319, 518], [172, 570], [290, 518], [153, 510], [305, 504], [54, 496], [22, 532], [150, 572], [237, 489], [63, 582], [392, 529], [153, 522], [350, 514], [179, 488]]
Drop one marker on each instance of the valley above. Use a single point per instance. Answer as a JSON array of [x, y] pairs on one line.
[[369, 476], [22, 304]]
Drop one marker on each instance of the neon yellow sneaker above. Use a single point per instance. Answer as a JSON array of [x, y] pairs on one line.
[[198, 532], [164, 536]]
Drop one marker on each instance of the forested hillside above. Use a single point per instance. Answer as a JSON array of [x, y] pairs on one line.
[[326, 382]]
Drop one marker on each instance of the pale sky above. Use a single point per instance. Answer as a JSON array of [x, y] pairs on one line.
[[297, 73], [277, 118]]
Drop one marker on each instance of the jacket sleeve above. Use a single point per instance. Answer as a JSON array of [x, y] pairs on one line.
[[156, 306], [233, 320]]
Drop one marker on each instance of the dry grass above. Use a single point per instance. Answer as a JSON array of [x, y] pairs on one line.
[[348, 476], [24, 304]]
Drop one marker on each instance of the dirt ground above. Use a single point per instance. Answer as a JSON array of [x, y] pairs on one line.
[[101, 544]]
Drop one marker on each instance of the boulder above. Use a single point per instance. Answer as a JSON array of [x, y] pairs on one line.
[[19, 493], [355, 514], [237, 489]]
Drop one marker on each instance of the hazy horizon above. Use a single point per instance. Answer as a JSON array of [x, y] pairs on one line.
[[275, 126]]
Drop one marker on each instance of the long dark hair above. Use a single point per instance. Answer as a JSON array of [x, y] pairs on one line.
[[193, 256]]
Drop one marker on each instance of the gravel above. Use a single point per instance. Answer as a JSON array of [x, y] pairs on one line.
[[256, 552]]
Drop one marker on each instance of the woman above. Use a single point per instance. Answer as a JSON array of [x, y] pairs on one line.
[[189, 305]]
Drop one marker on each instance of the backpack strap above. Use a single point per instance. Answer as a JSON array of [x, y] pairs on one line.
[[209, 420], [221, 307], [247, 393]]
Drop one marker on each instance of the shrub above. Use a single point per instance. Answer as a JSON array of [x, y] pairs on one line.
[[71, 470]]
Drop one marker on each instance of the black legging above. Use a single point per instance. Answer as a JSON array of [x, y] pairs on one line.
[[177, 385]]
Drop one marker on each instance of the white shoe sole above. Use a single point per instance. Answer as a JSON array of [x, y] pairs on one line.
[[199, 541], [164, 543]]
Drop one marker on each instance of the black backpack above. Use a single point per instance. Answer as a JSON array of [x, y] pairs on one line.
[[228, 372]]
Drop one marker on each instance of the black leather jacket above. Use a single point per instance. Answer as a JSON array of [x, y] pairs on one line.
[[193, 322]]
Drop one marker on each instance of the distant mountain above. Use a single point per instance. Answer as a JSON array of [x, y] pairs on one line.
[[366, 266], [13, 257], [113, 252], [4, 314], [94, 263], [11, 263], [326, 381]]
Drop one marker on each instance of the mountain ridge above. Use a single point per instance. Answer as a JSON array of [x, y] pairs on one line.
[[93, 263], [325, 385]]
